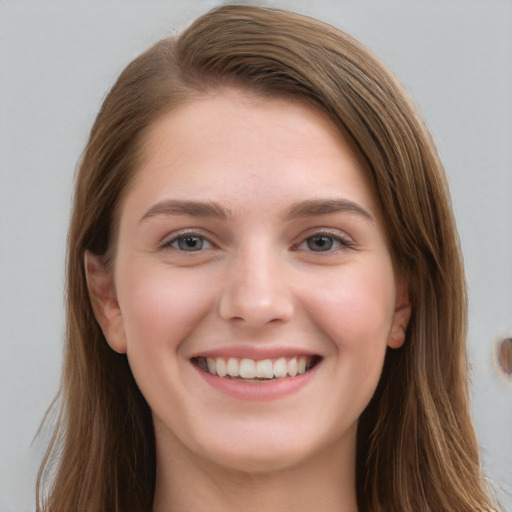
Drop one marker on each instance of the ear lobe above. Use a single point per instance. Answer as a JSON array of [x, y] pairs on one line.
[[104, 303], [401, 318]]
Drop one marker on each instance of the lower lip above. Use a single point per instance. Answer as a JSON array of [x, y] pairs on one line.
[[262, 391]]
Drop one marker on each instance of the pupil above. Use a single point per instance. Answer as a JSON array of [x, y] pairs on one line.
[[189, 243], [320, 243]]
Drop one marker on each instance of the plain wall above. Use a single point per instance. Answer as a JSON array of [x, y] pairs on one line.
[[57, 61]]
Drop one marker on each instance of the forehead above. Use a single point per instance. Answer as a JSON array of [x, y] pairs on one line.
[[232, 142]]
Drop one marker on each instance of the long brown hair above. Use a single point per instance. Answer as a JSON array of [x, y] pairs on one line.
[[417, 449]]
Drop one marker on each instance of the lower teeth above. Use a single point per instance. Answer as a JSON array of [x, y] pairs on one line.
[[256, 379]]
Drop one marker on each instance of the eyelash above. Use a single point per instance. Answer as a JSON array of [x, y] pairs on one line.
[[183, 236], [338, 242]]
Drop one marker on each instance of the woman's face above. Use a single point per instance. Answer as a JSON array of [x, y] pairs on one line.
[[253, 290]]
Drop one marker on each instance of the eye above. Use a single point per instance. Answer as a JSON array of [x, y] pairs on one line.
[[188, 242], [324, 242], [320, 243]]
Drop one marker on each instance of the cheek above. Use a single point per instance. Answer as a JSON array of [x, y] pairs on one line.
[[355, 308], [161, 307]]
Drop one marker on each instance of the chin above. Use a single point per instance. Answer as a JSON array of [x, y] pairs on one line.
[[272, 449], [269, 459]]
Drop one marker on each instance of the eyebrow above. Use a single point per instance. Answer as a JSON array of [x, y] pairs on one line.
[[313, 207], [308, 208], [185, 207]]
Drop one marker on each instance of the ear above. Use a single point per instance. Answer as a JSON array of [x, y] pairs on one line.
[[102, 294], [401, 316]]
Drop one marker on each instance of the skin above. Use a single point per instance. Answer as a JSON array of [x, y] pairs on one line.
[[257, 283]]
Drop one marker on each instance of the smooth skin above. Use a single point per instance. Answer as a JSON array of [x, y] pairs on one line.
[[250, 227]]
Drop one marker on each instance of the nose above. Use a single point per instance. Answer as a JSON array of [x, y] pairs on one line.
[[256, 290]]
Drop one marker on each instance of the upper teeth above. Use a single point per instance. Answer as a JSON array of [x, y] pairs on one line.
[[253, 369]]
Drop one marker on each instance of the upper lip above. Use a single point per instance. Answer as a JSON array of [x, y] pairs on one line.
[[256, 352]]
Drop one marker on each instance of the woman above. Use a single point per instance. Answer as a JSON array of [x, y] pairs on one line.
[[266, 302]]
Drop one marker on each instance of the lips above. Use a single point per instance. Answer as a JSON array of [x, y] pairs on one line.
[[247, 369]]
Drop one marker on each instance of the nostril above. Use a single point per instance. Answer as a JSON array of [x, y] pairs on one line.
[[240, 306]]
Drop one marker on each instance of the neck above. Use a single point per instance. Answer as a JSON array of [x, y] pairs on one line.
[[325, 482]]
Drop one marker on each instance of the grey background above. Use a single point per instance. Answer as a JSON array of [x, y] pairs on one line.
[[58, 60]]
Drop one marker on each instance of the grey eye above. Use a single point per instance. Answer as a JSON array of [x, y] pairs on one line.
[[320, 243], [190, 243]]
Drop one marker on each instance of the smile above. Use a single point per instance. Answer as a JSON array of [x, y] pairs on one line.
[[256, 370]]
